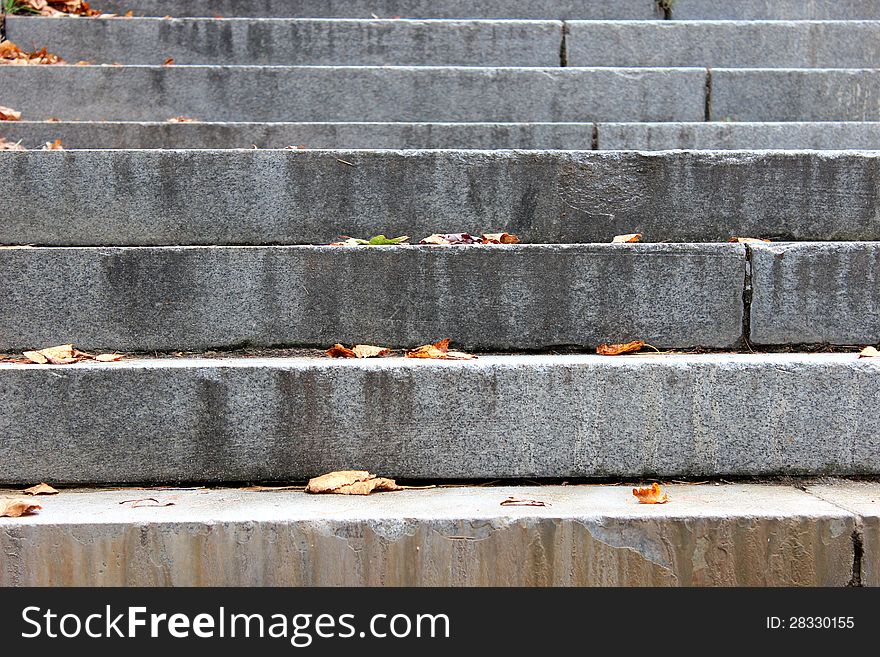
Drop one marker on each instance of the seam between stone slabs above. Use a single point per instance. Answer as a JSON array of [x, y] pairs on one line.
[[748, 291], [563, 46], [708, 97], [857, 536]]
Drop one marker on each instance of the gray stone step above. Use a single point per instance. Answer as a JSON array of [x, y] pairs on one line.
[[502, 297], [554, 9], [795, 94], [497, 417], [816, 293], [316, 93], [465, 136], [727, 535], [776, 9], [734, 44], [293, 42], [312, 197]]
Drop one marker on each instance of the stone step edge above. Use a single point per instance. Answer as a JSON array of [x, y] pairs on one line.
[[822, 534]]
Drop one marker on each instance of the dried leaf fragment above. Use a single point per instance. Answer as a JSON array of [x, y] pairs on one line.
[[378, 240], [10, 145], [652, 494], [17, 508], [108, 358], [65, 355], [147, 501], [168, 62], [450, 239], [350, 482], [631, 238], [499, 238], [606, 349], [182, 119], [53, 146], [869, 352], [54, 7], [515, 501], [358, 351], [41, 489], [9, 114], [438, 350], [12, 54], [748, 240]]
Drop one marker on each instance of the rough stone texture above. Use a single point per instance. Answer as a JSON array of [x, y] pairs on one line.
[[284, 197], [491, 297], [319, 93], [624, 9], [734, 44], [486, 136], [863, 499], [776, 9], [293, 42], [662, 136], [733, 535], [277, 419], [816, 293], [795, 94]]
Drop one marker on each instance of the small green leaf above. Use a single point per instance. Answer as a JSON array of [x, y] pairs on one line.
[[381, 240]]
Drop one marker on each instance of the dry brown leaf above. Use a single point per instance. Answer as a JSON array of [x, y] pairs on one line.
[[65, 355], [41, 489], [182, 119], [748, 240], [627, 239], [53, 146], [438, 350], [869, 352], [12, 54], [9, 114], [370, 351], [450, 239], [168, 62], [11, 146], [514, 501], [652, 494], [350, 482], [499, 238], [108, 358], [60, 7], [340, 351], [17, 508], [618, 349]]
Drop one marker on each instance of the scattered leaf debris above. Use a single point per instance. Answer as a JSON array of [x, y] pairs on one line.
[[515, 501], [53, 146], [41, 489], [146, 502], [357, 351], [11, 145], [458, 239], [499, 238], [439, 350], [9, 114], [869, 352], [17, 508], [182, 119], [378, 240], [13, 55], [350, 482], [631, 238], [66, 354], [54, 7], [748, 240], [606, 349], [652, 494]]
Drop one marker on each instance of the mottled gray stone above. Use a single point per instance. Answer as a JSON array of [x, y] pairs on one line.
[[289, 197], [725, 135], [795, 94], [863, 499], [731, 535], [734, 44], [558, 9], [261, 419], [776, 9], [293, 42], [502, 297], [365, 93], [481, 136], [816, 293]]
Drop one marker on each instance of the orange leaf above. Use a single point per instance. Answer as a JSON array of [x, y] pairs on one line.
[[499, 238], [340, 351], [350, 482], [41, 489], [168, 62], [9, 114], [618, 349], [652, 494], [53, 146], [17, 508], [627, 239]]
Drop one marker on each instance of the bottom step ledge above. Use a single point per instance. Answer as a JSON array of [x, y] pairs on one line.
[[707, 535]]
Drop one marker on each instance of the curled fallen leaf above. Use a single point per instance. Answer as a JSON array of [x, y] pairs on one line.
[[450, 239], [438, 350], [358, 351], [606, 349], [168, 62], [748, 240], [41, 489], [53, 146], [514, 501], [869, 352], [499, 238], [9, 114], [350, 482], [17, 508], [631, 238], [65, 354], [378, 240], [652, 494], [12, 54], [10, 145]]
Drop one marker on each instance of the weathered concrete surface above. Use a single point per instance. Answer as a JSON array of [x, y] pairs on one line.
[[276, 419], [795, 94], [293, 42], [724, 135], [863, 499], [776, 9], [285, 197], [816, 293], [357, 93], [734, 44], [732, 535], [478, 136], [558, 9], [491, 297]]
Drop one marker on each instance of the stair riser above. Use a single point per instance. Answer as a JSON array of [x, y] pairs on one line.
[[496, 417], [482, 297], [289, 197], [775, 10], [588, 536], [292, 42]]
